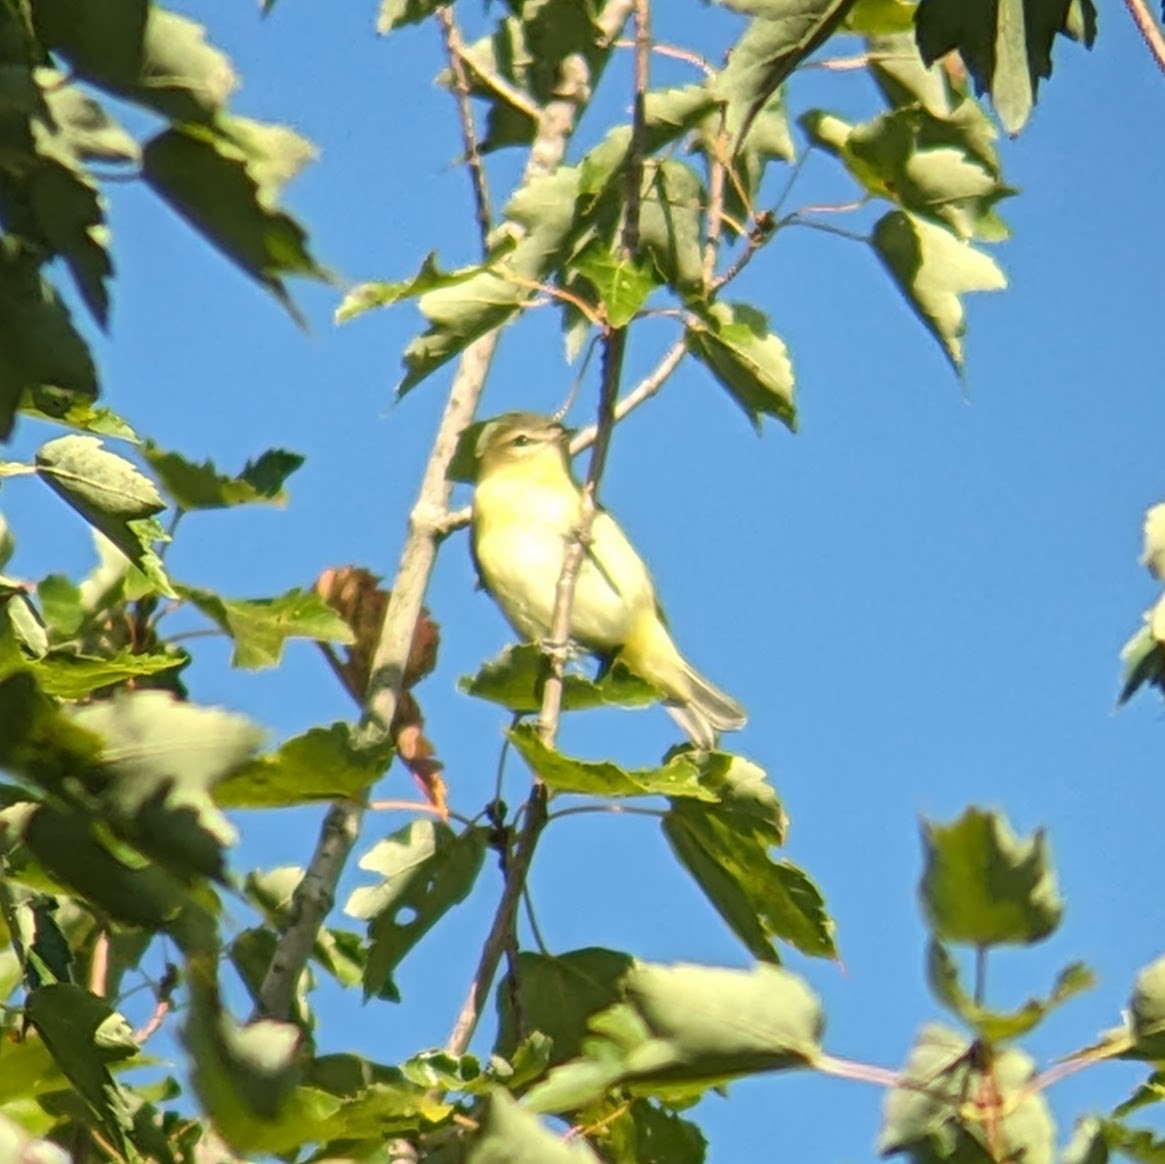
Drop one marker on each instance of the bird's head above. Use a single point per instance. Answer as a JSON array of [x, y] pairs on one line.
[[521, 439]]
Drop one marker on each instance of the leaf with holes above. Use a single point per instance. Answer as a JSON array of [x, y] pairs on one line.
[[427, 869]]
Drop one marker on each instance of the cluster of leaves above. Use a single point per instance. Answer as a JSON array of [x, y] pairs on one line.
[[219, 171], [112, 826]]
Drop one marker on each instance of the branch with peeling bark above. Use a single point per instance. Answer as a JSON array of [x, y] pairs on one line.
[[315, 894], [534, 811]]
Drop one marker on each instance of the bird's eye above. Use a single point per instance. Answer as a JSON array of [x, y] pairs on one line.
[[520, 441]]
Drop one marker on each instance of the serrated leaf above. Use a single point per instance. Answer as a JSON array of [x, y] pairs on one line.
[[72, 676], [226, 185], [427, 869], [689, 1025], [994, 1026], [532, 49], [260, 627], [734, 342], [679, 777], [726, 847], [321, 764], [139, 51], [559, 994], [927, 1115], [83, 1034], [984, 886], [365, 296], [782, 35], [670, 220], [111, 495], [622, 286], [1007, 48], [202, 487], [514, 679], [933, 267], [511, 1135]]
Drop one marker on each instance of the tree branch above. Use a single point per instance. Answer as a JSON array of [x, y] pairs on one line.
[[454, 50], [534, 811], [1149, 30], [315, 894]]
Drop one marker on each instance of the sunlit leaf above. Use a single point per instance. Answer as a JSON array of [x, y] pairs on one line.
[[202, 487], [321, 764], [933, 268], [984, 886], [260, 627], [511, 1135], [734, 342], [427, 869]]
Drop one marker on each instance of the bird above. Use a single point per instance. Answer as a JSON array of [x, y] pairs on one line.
[[525, 510]]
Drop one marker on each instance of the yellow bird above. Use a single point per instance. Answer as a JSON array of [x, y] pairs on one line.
[[525, 506]]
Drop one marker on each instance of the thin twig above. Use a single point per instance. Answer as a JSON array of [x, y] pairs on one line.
[[643, 391], [454, 50], [1149, 29], [584, 438], [581, 809], [676, 53], [550, 152]]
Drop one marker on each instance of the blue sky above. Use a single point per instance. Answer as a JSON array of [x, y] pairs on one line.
[[920, 597]]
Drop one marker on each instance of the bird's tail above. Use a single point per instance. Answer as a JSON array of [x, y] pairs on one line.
[[697, 705]]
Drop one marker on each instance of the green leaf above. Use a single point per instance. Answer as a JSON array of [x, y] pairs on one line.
[[72, 676], [670, 219], [1146, 1014], [1143, 657], [226, 185], [880, 17], [38, 343], [725, 846], [137, 894], [621, 285], [689, 1026], [321, 764], [999, 1026], [511, 1135], [139, 51], [427, 869], [111, 495], [1147, 1093], [1007, 47], [544, 210], [73, 411], [159, 762], [642, 1132], [925, 1114], [365, 296], [202, 487], [782, 35], [984, 886], [1087, 1145], [925, 165], [680, 776], [83, 1034], [261, 626], [531, 49], [734, 342], [515, 678], [83, 125], [933, 267], [559, 993], [394, 13]]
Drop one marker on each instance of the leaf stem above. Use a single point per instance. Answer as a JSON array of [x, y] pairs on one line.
[[630, 809], [1149, 29]]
